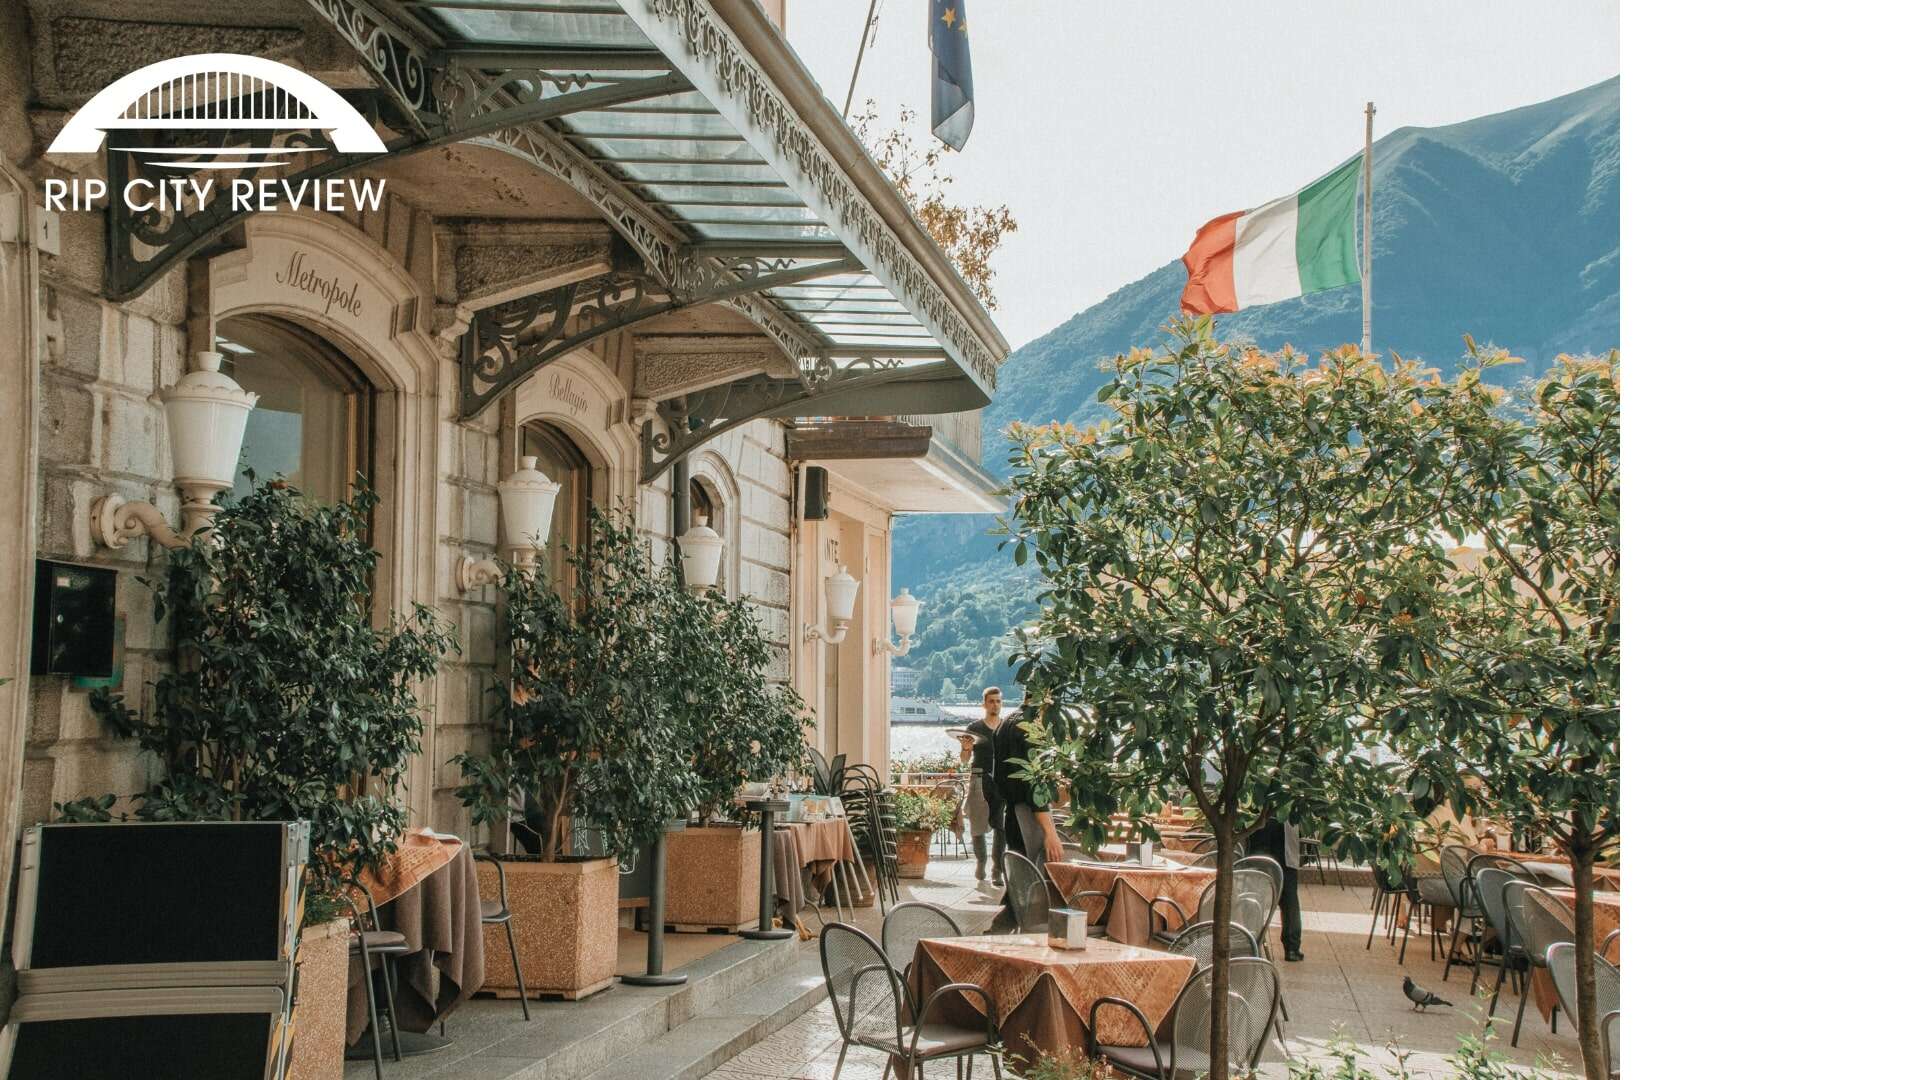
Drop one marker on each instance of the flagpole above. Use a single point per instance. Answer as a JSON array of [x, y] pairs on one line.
[[1366, 240], [866, 32]]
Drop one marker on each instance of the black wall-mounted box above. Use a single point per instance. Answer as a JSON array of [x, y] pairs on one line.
[[73, 620], [815, 506]]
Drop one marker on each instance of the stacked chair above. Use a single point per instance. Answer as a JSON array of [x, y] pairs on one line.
[[162, 950]]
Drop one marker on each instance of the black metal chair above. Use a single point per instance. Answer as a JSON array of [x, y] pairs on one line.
[[1456, 862], [869, 998], [904, 927], [1491, 882], [366, 940], [1561, 956], [1491, 912], [497, 913], [1027, 894], [1254, 994], [1536, 921]]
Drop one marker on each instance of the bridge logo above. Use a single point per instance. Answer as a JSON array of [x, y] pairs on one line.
[[221, 92]]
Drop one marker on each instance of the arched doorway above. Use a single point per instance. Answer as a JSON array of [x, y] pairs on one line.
[[313, 425]]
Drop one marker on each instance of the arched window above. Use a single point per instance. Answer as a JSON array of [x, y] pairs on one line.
[[563, 462], [313, 424]]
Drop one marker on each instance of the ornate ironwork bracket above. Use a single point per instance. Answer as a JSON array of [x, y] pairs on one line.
[[509, 342], [689, 421], [433, 99]]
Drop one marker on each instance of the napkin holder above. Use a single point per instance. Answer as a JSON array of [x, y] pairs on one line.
[[1066, 928], [1140, 851]]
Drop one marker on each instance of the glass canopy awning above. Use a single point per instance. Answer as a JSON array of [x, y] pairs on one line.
[[750, 186]]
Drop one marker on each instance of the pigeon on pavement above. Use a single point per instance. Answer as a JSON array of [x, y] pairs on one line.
[[1420, 996]]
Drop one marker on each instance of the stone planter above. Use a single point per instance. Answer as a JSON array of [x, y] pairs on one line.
[[713, 878], [320, 1010], [566, 923], [912, 850]]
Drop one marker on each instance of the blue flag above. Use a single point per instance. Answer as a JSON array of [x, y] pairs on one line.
[[952, 72]]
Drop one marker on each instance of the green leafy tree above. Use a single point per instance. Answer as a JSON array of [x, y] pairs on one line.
[[592, 725], [1222, 562], [1515, 694], [745, 724], [287, 701]]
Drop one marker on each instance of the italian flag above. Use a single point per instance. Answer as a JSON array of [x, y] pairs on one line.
[[1290, 247]]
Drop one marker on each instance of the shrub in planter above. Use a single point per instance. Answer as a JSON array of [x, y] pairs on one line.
[[746, 727], [589, 729], [286, 702], [916, 816]]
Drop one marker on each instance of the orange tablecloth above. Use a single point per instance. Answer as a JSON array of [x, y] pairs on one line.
[[420, 854], [1132, 887], [1044, 995]]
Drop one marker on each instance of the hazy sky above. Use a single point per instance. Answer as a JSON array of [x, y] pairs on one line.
[[1115, 128]]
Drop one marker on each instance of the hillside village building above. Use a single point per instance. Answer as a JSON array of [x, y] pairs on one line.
[[629, 238]]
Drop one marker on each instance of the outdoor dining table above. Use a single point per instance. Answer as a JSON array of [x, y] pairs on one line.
[[429, 891], [1045, 995], [809, 857], [1129, 921]]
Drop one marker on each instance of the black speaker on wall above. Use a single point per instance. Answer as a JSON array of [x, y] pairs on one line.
[[73, 619], [814, 506]]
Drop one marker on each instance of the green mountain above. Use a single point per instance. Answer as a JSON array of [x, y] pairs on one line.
[[1506, 227]]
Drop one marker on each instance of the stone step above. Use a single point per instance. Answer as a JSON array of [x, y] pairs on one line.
[[571, 1040], [703, 1043]]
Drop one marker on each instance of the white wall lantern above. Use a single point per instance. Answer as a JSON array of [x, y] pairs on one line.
[[206, 419], [842, 588], [906, 617], [700, 549], [526, 512]]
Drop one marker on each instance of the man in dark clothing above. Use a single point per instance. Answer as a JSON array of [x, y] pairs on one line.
[[1021, 817], [1281, 842]]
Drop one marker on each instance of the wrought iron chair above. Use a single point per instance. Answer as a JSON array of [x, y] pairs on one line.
[[1254, 994], [1491, 882], [1536, 921], [366, 940], [1455, 863], [496, 912], [1027, 894], [1256, 899], [904, 927], [1197, 941], [1491, 912], [1427, 895], [1561, 957], [869, 999]]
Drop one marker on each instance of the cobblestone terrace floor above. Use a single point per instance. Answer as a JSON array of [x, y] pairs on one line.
[[1342, 988]]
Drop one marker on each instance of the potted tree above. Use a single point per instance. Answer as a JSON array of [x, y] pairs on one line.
[[746, 727], [581, 742], [918, 815], [286, 703]]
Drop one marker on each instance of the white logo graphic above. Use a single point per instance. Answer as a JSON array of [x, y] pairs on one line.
[[218, 91]]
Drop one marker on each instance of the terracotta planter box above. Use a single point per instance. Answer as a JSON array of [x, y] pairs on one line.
[[320, 1013], [713, 877], [566, 923], [913, 852]]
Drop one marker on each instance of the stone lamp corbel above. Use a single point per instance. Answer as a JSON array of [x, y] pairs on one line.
[[842, 588], [700, 549], [526, 511], [906, 617], [206, 419]]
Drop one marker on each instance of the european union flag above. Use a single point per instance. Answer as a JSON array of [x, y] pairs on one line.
[[952, 72]]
